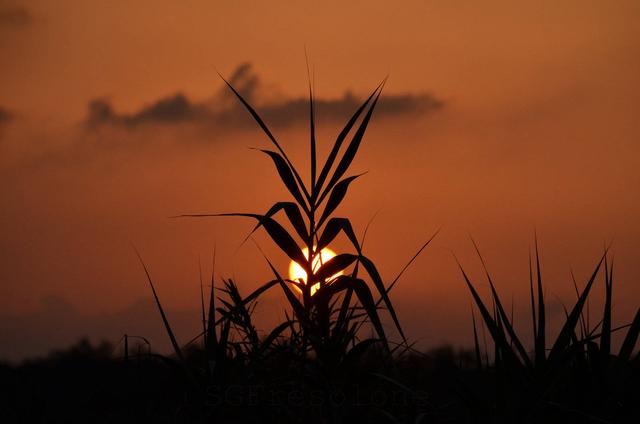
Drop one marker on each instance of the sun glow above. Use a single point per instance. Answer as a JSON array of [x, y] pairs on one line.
[[296, 272]]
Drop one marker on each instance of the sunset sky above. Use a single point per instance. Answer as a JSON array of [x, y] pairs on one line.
[[499, 119]]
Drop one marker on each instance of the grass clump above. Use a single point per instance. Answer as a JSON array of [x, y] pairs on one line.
[[577, 375]]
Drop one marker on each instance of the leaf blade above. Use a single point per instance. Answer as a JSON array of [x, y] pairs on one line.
[[338, 143]]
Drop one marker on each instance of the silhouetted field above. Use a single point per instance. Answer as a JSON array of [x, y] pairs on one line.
[[88, 383]]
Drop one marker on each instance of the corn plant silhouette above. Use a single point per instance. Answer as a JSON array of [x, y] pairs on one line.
[[323, 325]]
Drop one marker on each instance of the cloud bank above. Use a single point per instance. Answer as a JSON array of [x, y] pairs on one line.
[[221, 110]]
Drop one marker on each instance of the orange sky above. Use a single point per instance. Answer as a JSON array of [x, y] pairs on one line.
[[499, 118]]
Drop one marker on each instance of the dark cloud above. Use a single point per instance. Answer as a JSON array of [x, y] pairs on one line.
[[15, 17], [172, 109], [223, 111]]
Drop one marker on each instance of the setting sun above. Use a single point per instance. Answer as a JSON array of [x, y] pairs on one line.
[[296, 272]]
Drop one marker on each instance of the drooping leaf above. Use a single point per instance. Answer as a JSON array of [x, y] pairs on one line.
[[278, 234], [333, 266], [333, 228], [287, 177], [293, 214], [266, 130]]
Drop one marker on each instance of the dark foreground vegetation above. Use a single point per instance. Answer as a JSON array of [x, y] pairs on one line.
[[97, 384], [331, 360]]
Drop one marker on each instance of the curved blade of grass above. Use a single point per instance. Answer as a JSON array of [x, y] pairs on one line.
[[377, 281], [337, 195], [277, 233], [334, 265], [287, 177], [333, 228], [293, 214], [257, 292], [366, 229], [165, 321], [413, 258], [282, 238], [266, 130], [167, 326]]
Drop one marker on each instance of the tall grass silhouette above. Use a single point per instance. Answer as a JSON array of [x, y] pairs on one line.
[[322, 324], [528, 383]]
